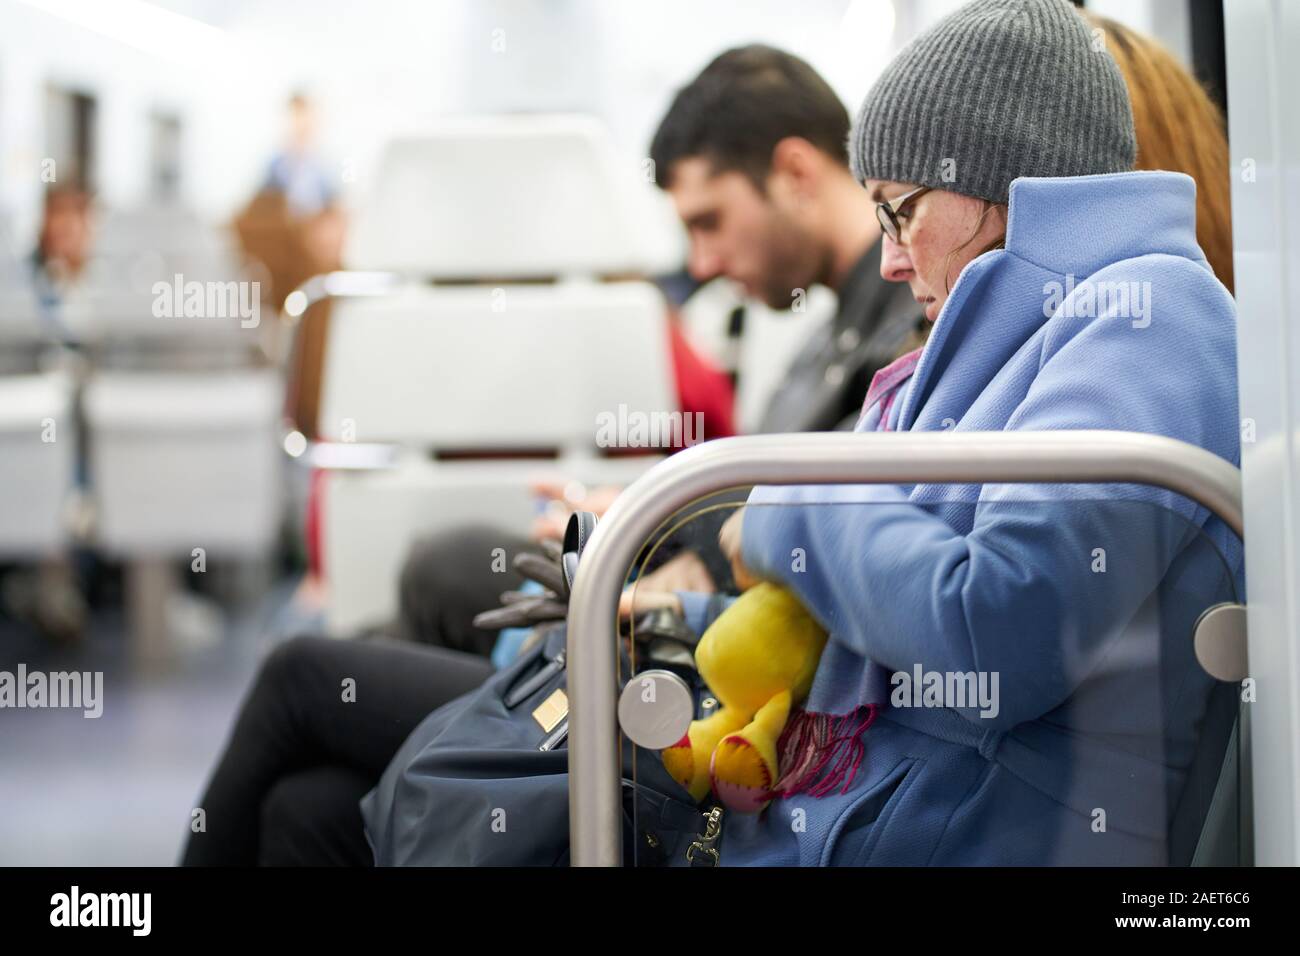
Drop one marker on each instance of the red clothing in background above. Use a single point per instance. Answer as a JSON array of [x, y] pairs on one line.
[[701, 386]]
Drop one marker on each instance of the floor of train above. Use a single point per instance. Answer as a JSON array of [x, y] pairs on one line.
[[117, 790]]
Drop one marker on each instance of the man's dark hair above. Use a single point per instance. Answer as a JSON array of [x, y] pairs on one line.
[[744, 103]]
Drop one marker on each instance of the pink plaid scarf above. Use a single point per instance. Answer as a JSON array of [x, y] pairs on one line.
[[887, 386]]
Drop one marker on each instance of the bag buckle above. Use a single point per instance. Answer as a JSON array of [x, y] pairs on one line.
[[704, 852]]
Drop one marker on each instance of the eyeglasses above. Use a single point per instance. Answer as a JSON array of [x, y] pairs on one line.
[[887, 212]]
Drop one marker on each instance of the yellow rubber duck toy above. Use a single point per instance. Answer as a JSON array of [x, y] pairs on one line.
[[758, 658]]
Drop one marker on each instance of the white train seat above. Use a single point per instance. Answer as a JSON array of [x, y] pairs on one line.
[[491, 363]]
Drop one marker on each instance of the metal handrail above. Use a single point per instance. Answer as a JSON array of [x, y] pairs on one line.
[[1062, 457]]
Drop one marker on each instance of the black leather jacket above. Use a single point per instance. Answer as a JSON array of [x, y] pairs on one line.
[[828, 379]]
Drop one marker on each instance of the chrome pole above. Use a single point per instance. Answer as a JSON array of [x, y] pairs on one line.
[[1063, 457]]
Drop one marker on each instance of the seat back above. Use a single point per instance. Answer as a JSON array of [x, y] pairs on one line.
[[164, 288], [184, 460], [38, 430], [38, 441], [499, 369], [515, 349], [513, 197]]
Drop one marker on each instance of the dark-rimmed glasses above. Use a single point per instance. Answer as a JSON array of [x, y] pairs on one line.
[[887, 212]]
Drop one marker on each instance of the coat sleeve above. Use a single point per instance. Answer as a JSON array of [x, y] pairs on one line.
[[1048, 574]]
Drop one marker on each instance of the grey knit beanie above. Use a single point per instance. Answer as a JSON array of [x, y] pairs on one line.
[[996, 90]]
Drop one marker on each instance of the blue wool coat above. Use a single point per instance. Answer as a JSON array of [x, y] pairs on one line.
[[1101, 312]]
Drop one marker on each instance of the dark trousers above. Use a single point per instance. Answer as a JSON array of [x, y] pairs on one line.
[[322, 721], [325, 717]]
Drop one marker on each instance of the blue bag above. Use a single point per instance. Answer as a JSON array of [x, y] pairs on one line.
[[471, 786]]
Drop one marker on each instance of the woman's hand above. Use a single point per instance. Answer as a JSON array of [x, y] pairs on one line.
[[729, 540]]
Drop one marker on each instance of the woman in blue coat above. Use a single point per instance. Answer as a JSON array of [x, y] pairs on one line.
[[1066, 293]]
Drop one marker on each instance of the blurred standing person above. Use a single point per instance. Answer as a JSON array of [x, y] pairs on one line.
[[296, 171], [62, 251]]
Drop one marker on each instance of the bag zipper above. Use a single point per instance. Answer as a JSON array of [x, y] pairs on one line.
[[523, 691], [558, 736]]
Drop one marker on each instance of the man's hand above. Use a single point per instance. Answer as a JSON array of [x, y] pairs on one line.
[[563, 499], [636, 601], [685, 572]]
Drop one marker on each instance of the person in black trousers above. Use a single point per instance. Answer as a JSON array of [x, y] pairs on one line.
[[325, 716], [322, 721]]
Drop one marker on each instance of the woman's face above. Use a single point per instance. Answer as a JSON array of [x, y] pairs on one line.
[[940, 233]]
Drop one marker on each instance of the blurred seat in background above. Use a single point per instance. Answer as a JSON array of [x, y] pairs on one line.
[[512, 327], [180, 407], [38, 422]]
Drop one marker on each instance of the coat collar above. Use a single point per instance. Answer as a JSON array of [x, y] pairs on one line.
[[1055, 227], [1082, 223]]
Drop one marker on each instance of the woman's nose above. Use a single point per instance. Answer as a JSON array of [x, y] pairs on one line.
[[895, 263]]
